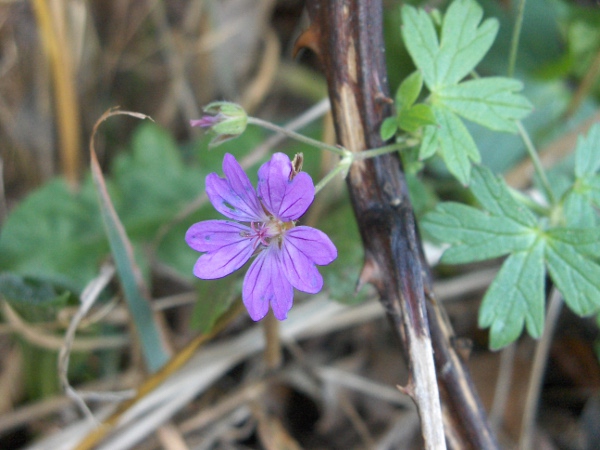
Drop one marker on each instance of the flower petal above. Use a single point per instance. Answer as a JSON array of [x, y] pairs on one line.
[[227, 248], [265, 284], [223, 262], [287, 200], [234, 196], [211, 235], [315, 244], [302, 248]]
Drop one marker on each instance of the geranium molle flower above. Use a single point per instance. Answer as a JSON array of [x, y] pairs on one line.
[[286, 255]]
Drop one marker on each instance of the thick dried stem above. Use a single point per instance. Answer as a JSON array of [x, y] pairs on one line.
[[347, 36], [348, 39]]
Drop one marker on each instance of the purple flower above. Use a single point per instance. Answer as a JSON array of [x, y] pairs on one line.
[[286, 255]]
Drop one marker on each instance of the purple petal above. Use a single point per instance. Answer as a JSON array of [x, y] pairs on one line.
[[205, 121], [315, 244], [287, 200], [211, 266], [302, 248], [227, 249], [211, 235], [265, 284], [234, 196]]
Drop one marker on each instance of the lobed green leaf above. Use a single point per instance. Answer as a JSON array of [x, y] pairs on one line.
[[515, 298], [475, 235], [453, 142], [490, 102], [463, 41], [576, 277], [587, 153], [584, 240], [493, 195], [421, 40], [409, 91], [388, 128], [415, 117]]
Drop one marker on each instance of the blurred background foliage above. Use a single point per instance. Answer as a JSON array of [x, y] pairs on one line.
[[64, 62]]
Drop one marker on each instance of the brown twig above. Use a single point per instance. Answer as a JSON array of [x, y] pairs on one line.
[[347, 37], [346, 34]]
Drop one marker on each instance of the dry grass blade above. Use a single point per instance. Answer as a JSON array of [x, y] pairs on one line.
[[88, 297], [67, 110]]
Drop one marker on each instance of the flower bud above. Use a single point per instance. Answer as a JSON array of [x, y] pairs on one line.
[[227, 120]]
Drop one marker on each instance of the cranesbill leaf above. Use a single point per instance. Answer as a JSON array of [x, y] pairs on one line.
[[584, 240], [415, 117], [463, 41], [576, 277], [490, 102], [491, 192], [453, 142], [578, 210], [421, 41], [409, 90], [388, 128], [515, 298], [587, 153], [475, 235]]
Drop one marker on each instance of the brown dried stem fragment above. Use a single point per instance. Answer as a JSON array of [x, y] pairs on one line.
[[350, 45]]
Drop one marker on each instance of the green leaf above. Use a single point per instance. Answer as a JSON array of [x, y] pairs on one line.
[[490, 102], [493, 195], [587, 153], [214, 299], [388, 128], [576, 277], [421, 40], [409, 91], [584, 240], [340, 276], [35, 300], [578, 210], [515, 298], [453, 142], [136, 294], [504, 227], [415, 117], [430, 142], [55, 235], [475, 235], [463, 41]]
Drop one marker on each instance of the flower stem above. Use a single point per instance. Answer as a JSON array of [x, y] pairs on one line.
[[339, 168], [272, 342], [372, 153], [537, 164], [514, 44], [299, 137]]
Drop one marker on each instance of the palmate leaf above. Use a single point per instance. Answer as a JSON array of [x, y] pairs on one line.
[[576, 276], [463, 41], [587, 153], [505, 227], [580, 202], [451, 139], [475, 235], [515, 298], [490, 102], [444, 62]]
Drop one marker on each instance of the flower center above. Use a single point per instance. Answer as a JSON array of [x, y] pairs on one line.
[[266, 233]]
